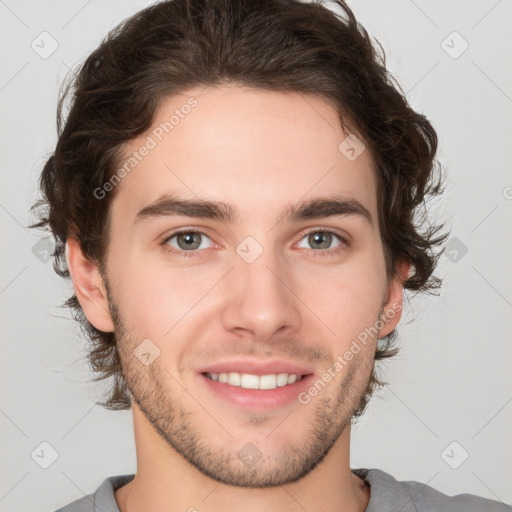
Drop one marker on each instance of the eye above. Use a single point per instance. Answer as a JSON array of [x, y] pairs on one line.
[[188, 240], [323, 239]]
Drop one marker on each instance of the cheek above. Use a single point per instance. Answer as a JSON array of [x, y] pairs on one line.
[[347, 300], [156, 302]]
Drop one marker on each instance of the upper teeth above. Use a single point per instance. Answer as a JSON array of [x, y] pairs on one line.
[[250, 381]]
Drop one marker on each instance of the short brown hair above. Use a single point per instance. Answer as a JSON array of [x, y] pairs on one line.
[[277, 45]]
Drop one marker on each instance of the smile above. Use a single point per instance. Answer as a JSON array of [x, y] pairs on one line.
[[251, 381]]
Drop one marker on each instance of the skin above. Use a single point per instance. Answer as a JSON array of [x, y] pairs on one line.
[[260, 151]]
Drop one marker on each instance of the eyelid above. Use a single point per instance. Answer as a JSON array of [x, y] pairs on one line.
[[344, 236]]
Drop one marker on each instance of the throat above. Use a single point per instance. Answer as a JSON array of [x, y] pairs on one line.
[[121, 495]]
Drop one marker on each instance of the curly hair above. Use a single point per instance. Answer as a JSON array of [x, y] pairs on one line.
[[276, 45]]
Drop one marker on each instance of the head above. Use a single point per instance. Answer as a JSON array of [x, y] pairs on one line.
[[284, 112]]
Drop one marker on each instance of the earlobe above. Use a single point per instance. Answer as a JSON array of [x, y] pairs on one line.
[[89, 286], [392, 309]]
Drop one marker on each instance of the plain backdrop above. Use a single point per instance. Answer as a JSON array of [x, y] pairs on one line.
[[444, 419]]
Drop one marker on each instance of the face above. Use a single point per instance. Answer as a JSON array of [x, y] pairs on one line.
[[227, 324]]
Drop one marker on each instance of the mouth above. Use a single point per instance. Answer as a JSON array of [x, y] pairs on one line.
[[253, 381], [255, 386]]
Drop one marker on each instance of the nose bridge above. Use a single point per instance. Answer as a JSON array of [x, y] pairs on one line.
[[260, 298]]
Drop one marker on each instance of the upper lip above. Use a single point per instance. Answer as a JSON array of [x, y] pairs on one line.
[[256, 367]]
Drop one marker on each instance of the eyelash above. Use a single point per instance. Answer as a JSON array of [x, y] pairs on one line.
[[316, 253]]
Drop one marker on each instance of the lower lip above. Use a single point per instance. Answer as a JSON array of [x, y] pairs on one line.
[[257, 399]]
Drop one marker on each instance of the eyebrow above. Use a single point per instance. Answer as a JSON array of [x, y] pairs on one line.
[[319, 207]]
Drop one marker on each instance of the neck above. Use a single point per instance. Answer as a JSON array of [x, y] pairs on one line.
[[166, 481]]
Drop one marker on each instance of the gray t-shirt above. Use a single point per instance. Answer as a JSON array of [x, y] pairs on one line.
[[387, 495]]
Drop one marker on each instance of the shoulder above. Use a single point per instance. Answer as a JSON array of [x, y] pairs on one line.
[[101, 500], [389, 494]]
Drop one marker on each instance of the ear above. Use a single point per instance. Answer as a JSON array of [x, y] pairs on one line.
[[392, 308], [89, 287]]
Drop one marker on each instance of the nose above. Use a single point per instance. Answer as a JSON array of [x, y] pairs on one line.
[[260, 298]]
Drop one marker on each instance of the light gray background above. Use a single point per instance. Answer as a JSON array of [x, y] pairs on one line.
[[452, 379]]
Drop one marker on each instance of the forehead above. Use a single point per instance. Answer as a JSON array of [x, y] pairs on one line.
[[257, 150]]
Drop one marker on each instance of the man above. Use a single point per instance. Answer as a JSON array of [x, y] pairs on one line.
[[233, 195]]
